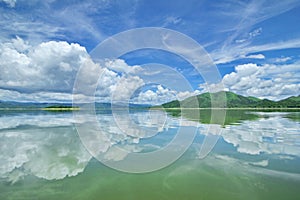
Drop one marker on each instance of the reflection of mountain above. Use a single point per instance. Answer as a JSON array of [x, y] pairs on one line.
[[295, 116], [234, 101], [232, 116]]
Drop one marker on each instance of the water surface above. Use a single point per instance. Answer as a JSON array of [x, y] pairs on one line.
[[256, 157]]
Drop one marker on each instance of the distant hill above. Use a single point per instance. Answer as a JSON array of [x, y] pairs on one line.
[[233, 101], [32, 106], [29, 105]]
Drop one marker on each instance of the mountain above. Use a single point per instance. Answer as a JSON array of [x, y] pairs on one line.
[[290, 102], [233, 101]]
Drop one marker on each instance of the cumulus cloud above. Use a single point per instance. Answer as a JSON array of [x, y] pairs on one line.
[[186, 94], [267, 81], [120, 65], [47, 72], [157, 96], [126, 87], [215, 87], [160, 94], [17, 43], [49, 66]]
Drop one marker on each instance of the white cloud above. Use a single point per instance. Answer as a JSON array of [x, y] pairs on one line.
[[245, 17], [250, 36], [240, 40], [36, 31], [282, 59], [46, 73], [18, 44], [255, 32], [11, 95], [10, 3], [157, 96], [49, 66], [120, 65], [266, 81], [238, 51], [293, 43], [186, 94], [49, 22], [160, 95], [126, 87], [239, 43], [172, 20], [216, 87], [256, 56]]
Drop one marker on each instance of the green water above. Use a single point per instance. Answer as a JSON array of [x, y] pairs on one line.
[[256, 158], [183, 180]]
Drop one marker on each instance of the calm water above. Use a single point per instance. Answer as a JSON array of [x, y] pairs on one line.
[[257, 156]]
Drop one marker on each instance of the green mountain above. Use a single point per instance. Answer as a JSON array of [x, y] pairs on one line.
[[232, 101], [290, 102]]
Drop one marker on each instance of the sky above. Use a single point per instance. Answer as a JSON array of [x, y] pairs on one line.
[[255, 46]]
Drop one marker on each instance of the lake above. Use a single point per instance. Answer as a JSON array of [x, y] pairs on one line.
[[257, 156]]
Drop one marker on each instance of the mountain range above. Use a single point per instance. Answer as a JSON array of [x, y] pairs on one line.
[[233, 101]]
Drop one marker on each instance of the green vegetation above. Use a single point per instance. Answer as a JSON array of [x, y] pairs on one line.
[[59, 108], [232, 101]]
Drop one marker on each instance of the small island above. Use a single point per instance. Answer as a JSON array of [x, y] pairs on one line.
[[59, 108]]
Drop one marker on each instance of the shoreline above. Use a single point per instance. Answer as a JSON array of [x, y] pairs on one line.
[[153, 108], [40, 109], [258, 109]]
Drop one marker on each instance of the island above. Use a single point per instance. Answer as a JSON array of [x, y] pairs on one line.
[[58, 108]]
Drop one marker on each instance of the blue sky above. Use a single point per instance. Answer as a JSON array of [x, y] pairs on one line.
[[254, 44]]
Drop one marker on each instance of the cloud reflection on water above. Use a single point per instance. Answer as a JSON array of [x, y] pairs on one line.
[[47, 146], [272, 134]]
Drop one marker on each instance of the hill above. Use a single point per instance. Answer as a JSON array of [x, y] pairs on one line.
[[233, 101]]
